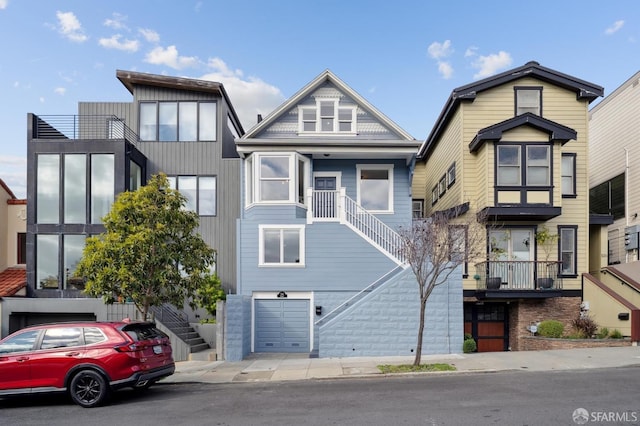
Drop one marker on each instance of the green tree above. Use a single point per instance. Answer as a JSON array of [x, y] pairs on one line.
[[150, 253], [208, 294]]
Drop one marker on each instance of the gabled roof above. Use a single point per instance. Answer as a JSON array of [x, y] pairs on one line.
[[583, 90], [12, 280], [557, 132], [325, 76], [131, 78]]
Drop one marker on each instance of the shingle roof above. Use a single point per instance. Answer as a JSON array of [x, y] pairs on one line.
[[12, 280]]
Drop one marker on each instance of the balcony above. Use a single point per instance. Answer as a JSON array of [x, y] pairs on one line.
[[518, 279], [81, 127]]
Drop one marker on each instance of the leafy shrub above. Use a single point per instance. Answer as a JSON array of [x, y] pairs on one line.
[[550, 328], [468, 346], [209, 293], [585, 325], [615, 334], [603, 333], [468, 336], [575, 335]]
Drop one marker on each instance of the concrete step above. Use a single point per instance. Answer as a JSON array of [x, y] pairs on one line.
[[205, 355], [199, 347]]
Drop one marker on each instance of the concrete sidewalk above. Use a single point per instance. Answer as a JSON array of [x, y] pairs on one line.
[[282, 367]]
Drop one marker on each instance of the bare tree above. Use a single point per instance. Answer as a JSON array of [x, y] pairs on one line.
[[436, 246]]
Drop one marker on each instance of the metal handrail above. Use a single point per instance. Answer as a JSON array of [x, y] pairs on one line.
[[82, 127], [518, 275]]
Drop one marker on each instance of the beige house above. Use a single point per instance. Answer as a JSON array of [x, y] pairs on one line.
[[13, 228], [614, 130], [613, 292], [515, 147]]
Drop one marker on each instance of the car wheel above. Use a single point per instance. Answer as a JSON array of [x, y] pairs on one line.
[[88, 389]]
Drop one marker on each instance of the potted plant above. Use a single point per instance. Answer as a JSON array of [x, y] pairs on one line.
[[545, 240], [496, 252]]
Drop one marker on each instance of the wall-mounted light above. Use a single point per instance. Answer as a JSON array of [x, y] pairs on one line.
[[623, 316], [318, 310], [282, 294]]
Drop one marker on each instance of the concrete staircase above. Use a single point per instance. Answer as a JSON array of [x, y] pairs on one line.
[[184, 339]]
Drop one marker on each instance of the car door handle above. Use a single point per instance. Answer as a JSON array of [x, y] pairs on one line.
[[72, 353], [22, 359]]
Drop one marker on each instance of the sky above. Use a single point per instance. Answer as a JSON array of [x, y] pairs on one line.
[[404, 56]]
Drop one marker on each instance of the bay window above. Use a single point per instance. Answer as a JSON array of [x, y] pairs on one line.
[[276, 178], [534, 159]]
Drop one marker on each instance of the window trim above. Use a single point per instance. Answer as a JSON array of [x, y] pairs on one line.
[[442, 185], [174, 183], [516, 89], [252, 178], [157, 122], [281, 228], [434, 195], [523, 165], [573, 156], [573, 228], [451, 175], [337, 107], [389, 168]]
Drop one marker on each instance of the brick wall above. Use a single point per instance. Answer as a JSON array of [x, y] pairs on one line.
[[530, 343], [525, 312]]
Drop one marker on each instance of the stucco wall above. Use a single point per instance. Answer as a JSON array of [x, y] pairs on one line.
[[385, 322]]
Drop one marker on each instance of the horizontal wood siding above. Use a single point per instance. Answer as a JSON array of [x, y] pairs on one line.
[[337, 259]]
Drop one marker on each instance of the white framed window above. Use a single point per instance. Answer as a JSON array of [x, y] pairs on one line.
[[434, 195], [375, 187], [568, 244], [279, 178], [417, 209], [528, 99], [327, 116], [442, 185], [281, 245]]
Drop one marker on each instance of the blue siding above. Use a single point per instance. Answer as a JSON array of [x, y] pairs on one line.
[[385, 322], [336, 259], [237, 327]]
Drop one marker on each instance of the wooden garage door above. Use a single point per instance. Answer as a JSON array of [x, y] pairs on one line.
[[282, 325], [488, 323]]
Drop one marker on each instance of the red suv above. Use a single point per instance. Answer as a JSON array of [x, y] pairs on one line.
[[86, 359]]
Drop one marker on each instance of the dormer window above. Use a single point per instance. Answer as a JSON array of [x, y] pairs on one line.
[[529, 99], [327, 116]]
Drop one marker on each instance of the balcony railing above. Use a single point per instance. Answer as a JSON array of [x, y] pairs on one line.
[[518, 275], [336, 206], [81, 127]]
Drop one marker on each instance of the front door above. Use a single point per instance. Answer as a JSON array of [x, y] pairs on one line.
[[513, 249], [325, 198]]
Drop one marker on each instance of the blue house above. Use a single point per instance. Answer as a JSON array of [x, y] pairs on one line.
[[326, 182]]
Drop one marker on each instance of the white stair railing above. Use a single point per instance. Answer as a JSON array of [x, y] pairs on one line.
[[336, 206]]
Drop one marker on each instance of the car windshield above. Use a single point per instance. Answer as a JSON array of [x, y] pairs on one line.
[[143, 332]]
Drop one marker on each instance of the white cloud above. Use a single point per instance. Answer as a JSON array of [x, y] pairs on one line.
[[249, 96], [114, 42], [150, 35], [489, 65], [14, 174], [445, 69], [60, 91], [471, 51], [614, 28], [69, 26], [3, 4], [170, 58], [117, 22], [440, 50]]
